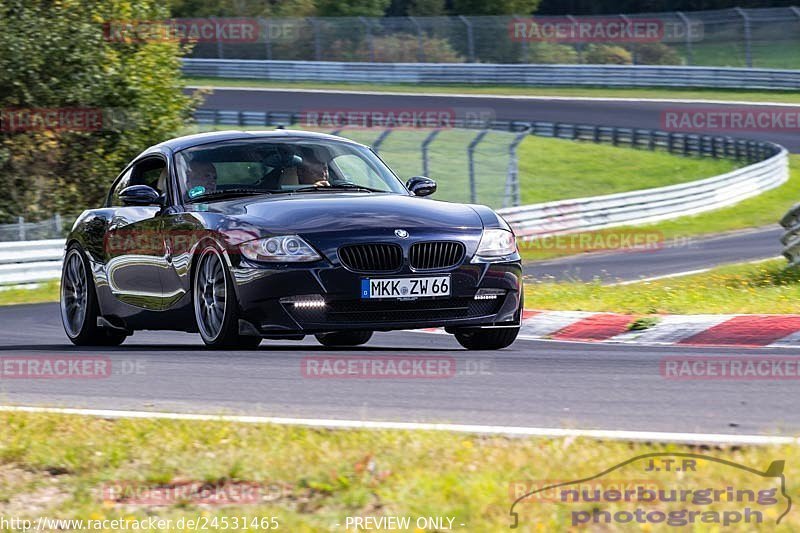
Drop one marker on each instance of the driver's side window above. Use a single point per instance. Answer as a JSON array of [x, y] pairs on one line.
[[151, 172], [123, 182]]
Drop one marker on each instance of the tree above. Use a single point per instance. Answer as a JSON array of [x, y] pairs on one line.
[[351, 8], [57, 55], [416, 8], [494, 7]]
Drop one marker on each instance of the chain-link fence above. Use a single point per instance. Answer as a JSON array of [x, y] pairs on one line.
[[768, 38], [469, 165]]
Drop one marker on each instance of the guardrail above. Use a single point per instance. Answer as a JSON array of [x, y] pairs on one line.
[[649, 205], [506, 74], [30, 261]]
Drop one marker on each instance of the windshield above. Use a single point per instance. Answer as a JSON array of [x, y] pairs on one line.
[[254, 166]]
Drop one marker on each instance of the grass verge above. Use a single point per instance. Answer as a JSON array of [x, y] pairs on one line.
[[312, 480], [45, 292], [791, 97], [767, 287]]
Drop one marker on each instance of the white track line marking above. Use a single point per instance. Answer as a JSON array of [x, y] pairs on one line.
[[664, 276], [504, 96], [698, 271], [706, 438]]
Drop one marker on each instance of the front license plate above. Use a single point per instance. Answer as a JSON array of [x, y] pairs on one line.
[[405, 287]]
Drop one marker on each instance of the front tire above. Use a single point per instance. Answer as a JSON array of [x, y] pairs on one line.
[[215, 305], [487, 339], [344, 338], [78, 303]]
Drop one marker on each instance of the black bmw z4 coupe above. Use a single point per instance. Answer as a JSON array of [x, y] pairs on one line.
[[242, 236]]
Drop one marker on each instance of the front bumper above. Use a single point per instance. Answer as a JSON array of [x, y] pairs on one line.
[[260, 290]]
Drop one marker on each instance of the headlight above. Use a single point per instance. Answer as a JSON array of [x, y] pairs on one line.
[[287, 248], [495, 244]]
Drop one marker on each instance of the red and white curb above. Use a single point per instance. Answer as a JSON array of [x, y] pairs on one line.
[[781, 331]]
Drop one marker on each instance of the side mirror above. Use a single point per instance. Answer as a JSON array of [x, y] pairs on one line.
[[139, 195], [421, 186]]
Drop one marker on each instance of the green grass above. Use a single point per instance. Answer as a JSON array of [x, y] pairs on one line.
[[57, 466], [515, 90], [765, 287], [557, 169], [45, 292]]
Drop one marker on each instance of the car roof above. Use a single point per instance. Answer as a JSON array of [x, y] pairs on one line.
[[188, 141]]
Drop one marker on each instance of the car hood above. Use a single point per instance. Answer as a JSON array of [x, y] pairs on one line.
[[316, 213]]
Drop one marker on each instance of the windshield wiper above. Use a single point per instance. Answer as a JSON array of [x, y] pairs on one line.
[[340, 186], [228, 193]]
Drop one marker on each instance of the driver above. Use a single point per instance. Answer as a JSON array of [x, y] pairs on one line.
[[201, 174], [313, 172]]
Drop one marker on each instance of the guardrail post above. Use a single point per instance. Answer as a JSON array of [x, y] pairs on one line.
[[317, 43], [512, 177], [473, 192], [59, 225], [370, 44], [632, 49], [21, 228], [688, 24], [578, 46], [470, 38], [748, 54], [267, 37], [425, 143], [379, 141], [420, 43], [220, 51]]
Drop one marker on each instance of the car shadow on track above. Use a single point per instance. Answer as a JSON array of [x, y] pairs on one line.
[[64, 348]]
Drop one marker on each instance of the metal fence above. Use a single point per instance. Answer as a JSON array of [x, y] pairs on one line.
[[768, 37], [477, 165], [481, 165], [52, 228]]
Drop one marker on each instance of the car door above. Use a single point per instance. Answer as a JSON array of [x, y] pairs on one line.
[[134, 245]]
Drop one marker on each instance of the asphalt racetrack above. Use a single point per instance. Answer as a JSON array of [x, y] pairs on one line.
[[532, 383]]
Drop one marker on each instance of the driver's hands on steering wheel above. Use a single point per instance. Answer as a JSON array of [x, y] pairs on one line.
[[322, 183]]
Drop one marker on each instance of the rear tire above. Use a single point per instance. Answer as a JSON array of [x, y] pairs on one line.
[[215, 305], [344, 338], [487, 339], [78, 303]]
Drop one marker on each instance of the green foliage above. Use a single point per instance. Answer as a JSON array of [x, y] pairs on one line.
[[605, 54], [656, 54], [54, 55], [351, 8], [242, 8], [395, 48], [494, 7]]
